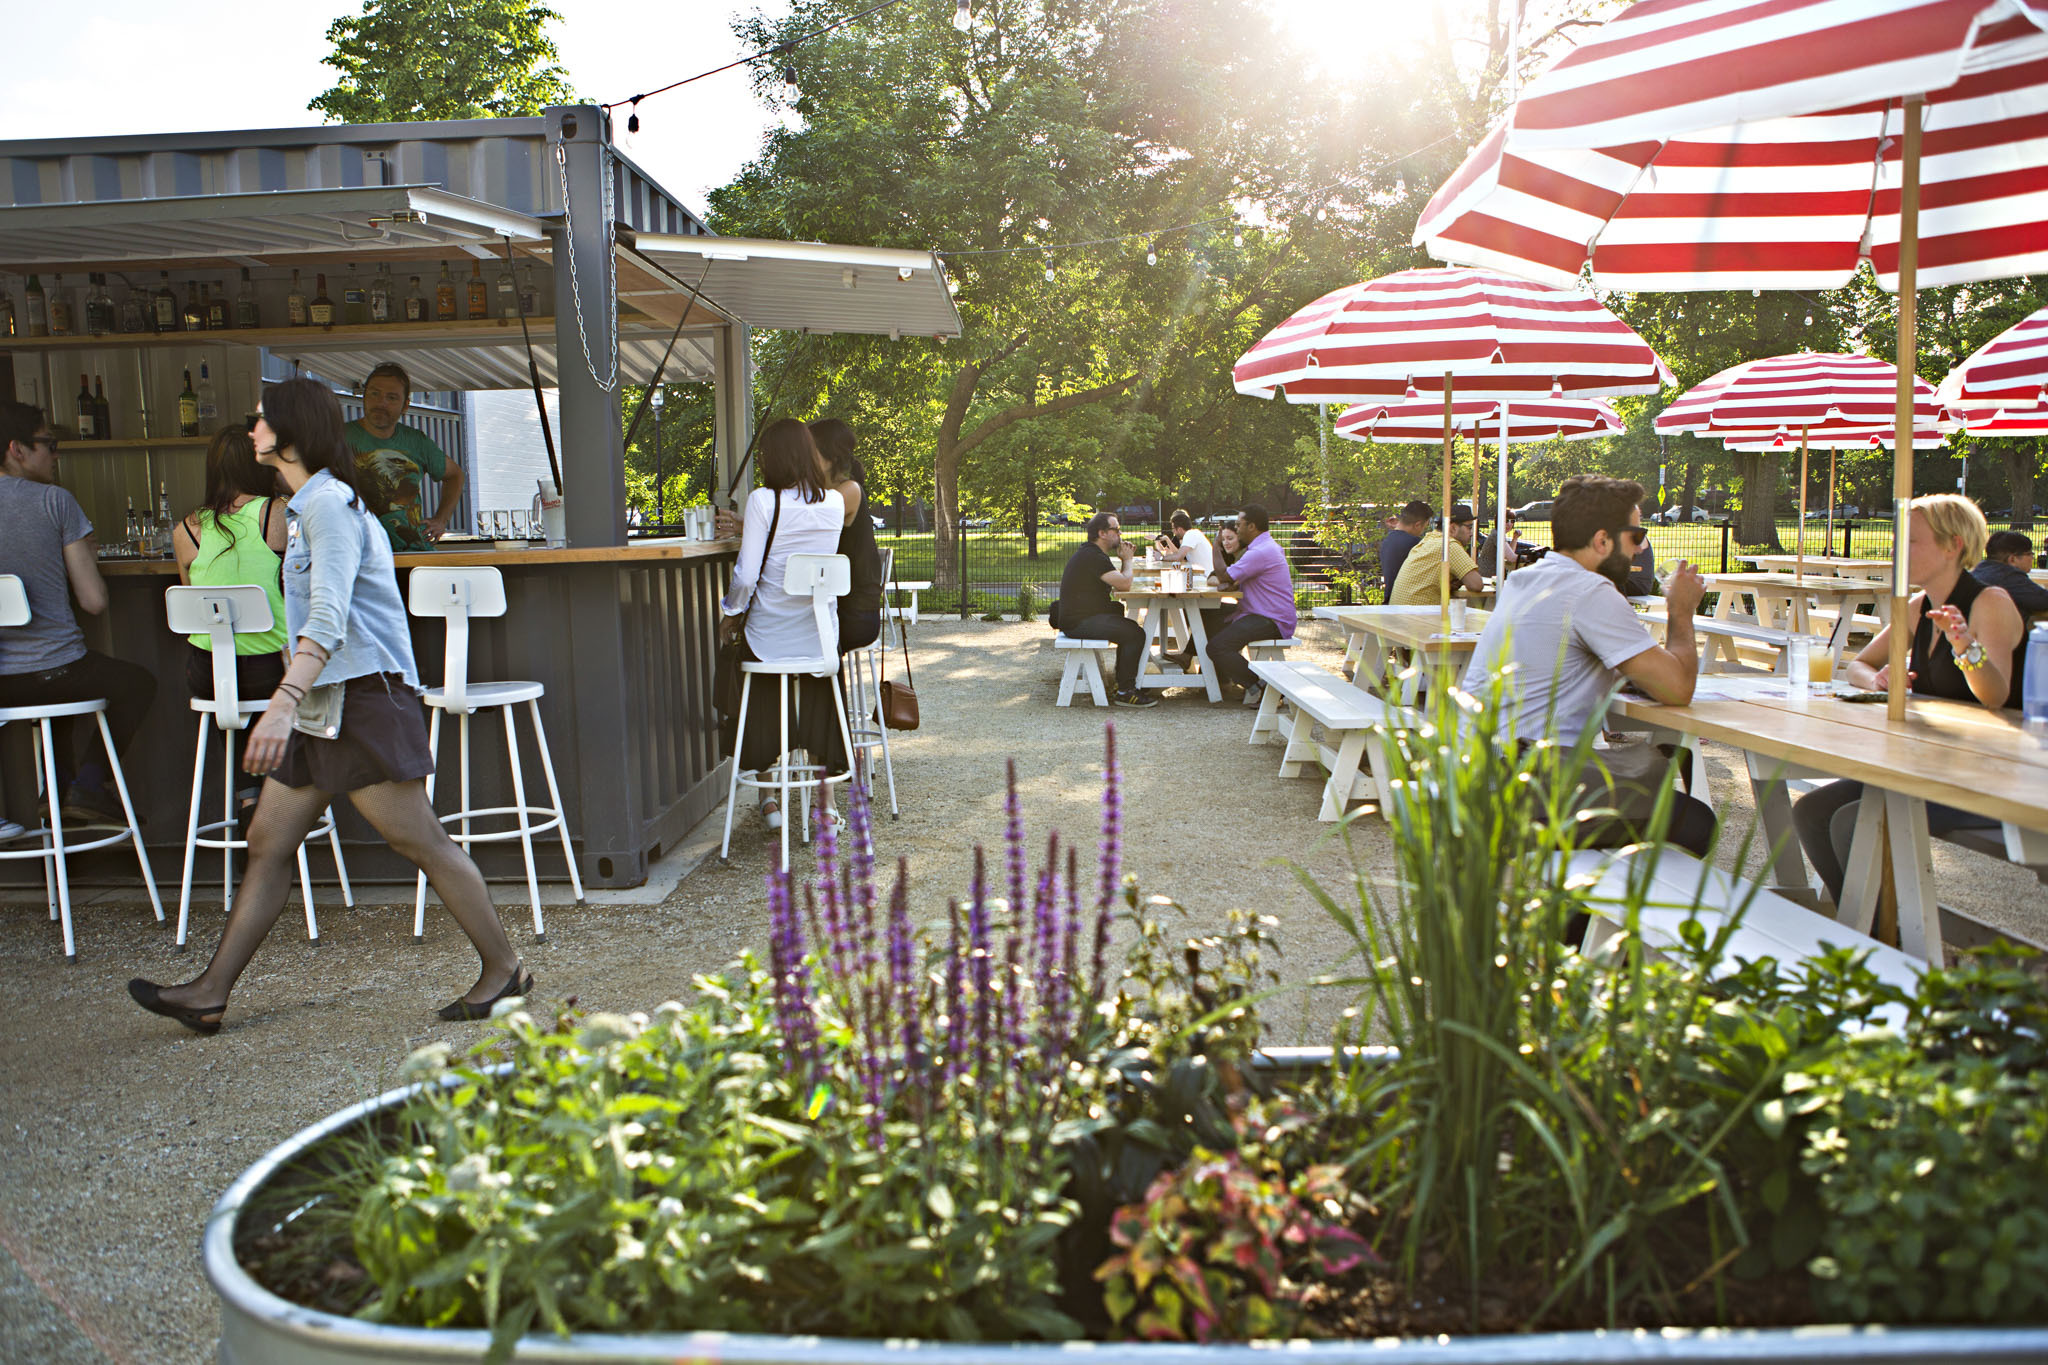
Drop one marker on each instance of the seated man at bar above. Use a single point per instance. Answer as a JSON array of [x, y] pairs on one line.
[[1419, 585], [1265, 604], [1187, 545], [2007, 557], [393, 460], [1088, 612], [46, 540], [1405, 530], [1571, 637], [1968, 644]]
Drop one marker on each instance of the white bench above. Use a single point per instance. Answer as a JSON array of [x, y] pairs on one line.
[[1085, 660], [1302, 698], [1681, 887], [1265, 651]]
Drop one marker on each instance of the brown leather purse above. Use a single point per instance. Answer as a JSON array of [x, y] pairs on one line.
[[898, 700]]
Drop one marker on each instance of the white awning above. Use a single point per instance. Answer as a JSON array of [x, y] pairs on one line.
[[271, 227], [498, 362], [812, 286]]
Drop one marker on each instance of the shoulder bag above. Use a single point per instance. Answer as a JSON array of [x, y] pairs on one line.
[[726, 680], [898, 700]]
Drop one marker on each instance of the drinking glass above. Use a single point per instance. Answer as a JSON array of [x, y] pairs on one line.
[[520, 518]]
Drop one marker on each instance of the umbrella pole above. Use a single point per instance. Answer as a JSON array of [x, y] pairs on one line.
[[1500, 510], [1902, 450], [1443, 573], [1831, 500], [1799, 555]]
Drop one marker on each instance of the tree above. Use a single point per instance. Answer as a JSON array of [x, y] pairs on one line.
[[405, 60]]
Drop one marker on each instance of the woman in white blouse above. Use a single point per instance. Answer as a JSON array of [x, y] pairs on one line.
[[792, 513]]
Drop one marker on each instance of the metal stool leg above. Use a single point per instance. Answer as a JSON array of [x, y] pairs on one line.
[[888, 760], [419, 908], [739, 744], [306, 890], [128, 809], [348, 895], [782, 767], [525, 833], [49, 741], [547, 768], [192, 835], [227, 815]]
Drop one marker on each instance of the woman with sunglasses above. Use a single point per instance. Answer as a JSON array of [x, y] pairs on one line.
[[1642, 563], [352, 655]]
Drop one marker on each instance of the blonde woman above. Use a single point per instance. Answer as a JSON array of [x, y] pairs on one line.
[[1968, 644]]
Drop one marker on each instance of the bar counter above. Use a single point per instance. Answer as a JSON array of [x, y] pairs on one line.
[[623, 637]]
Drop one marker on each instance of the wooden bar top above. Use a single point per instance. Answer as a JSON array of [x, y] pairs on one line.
[[500, 554]]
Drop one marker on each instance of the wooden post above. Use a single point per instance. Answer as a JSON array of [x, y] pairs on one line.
[[1902, 452], [1443, 572], [1799, 554]]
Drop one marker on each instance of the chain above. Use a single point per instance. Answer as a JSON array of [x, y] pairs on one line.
[[611, 236]]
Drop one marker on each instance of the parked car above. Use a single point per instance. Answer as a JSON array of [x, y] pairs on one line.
[[1534, 511], [1060, 519], [974, 523], [1220, 519], [880, 525]]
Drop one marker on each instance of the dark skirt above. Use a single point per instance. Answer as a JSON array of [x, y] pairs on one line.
[[813, 722], [383, 739], [256, 675], [858, 629]]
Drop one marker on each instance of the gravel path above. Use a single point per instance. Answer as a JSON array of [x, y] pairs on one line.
[[120, 1129]]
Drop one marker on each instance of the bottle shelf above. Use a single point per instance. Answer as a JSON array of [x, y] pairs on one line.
[[340, 337]]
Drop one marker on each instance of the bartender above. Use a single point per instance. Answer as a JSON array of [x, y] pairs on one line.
[[394, 460]]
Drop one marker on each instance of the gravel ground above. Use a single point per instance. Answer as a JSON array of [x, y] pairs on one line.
[[110, 1160]]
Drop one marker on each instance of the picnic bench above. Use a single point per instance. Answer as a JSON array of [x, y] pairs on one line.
[[1723, 642], [1302, 699], [1085, 661]]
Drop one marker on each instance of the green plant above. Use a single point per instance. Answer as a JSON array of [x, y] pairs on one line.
[[1220, 1247], [1027, 603]]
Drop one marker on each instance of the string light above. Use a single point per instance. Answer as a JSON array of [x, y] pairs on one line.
[[1048, 270], [1152, 254], [1809, 319], [779, 50], [1237, 240], [633, 120], [963, 16]]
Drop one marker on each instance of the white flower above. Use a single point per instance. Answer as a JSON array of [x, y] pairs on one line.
[[670, 1208], [469, 1173], [425, 1064], [602, 1029]]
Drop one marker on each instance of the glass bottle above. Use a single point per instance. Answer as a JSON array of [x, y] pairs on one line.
[[217, 305], [99, 306], [88, 415], [164, 304], [59, 308], [479, 292], [508, 292], [38, 309], [209, 407], [194, 316], [444, 296], [163, 519], [415, 301], [188, 408], [245, 302], [321, 310], [355, 304], [295, 312], [529, 298], [7, 324], [102, 414], [132, 537], [134, 310], [380, 295]]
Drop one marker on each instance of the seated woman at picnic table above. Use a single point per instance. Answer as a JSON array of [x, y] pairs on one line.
[[1968, 644]]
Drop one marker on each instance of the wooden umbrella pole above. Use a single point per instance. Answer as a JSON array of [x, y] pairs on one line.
[[1500, 509], [1799, 555], [1902, 452], [1831, 499], [1443, 573]]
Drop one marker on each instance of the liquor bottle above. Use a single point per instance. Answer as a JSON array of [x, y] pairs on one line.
[[134, 310], [355, 304], [88, 415], [164, 304], [38, 309], [99, 307], [188, 409], [321, 310], [444, 296], [132, 532], [216, 297], [508, 292], [295, 304], [415, 301], [380, 295], [102, 413], [59, 305], [529, 298], [6, 314], [193, 319], [209, 408], [163, 519], [245, 302]]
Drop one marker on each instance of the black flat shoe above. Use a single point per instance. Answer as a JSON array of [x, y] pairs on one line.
[[148, 995], [462, 1011]]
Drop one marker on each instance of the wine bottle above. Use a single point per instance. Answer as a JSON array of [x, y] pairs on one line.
[[88, 415], [355, 304], [38, 309], [216, 297], [6, 314], [188, 408], [209, 408], [164, 304], [60, 308], [444, 296], [245, 302], [322, 308], [194, 317], [102, 413], [295, 313], [415, 302]]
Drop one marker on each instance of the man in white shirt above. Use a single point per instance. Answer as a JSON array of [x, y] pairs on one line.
[[1571, 634], [1193, 549]]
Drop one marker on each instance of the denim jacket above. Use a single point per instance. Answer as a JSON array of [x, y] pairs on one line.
[[340, 587]]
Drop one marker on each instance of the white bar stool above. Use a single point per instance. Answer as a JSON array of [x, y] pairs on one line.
[[458, 595], [51, 845], [864, 700], [824, 579], [223, 613]]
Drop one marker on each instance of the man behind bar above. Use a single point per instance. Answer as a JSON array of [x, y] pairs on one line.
[[393, 461]]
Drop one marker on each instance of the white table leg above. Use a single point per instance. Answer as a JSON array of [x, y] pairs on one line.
[[1774, 812], [1913, 877], [1343, 774], [1200, 633], [1860, 876], [1267, 723]]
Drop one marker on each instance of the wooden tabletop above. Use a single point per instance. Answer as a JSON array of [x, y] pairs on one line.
[[1952, 752], [1785, 583], [471, 554], [1410, 627], [1835, 564]]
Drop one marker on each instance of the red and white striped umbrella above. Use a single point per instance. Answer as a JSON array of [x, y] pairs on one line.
[[1497, 336], [2011, 369], [1829, 393], [1992, 422], [1421, 422]]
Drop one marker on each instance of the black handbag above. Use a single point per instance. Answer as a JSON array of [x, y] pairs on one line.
[[727, 682]]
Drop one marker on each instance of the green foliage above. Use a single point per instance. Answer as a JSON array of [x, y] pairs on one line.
[[1027, 602], [1220, 1248], [405, 60]]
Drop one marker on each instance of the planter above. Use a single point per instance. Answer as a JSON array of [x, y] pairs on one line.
[[259, 1328]]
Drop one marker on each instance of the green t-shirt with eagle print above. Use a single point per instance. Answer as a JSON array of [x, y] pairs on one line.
[[389, 470]]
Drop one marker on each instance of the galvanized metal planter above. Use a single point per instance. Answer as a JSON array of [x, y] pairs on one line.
[[259, 1328]]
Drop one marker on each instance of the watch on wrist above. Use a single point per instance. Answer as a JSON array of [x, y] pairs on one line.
[[1972, 658]]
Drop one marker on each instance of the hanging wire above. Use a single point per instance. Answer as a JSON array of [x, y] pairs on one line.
[[778, 50]]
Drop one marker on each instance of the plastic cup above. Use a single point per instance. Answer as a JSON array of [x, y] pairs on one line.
[[1460, 613], [1820, 666]]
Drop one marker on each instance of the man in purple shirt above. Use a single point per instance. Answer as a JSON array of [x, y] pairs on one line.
[[1265, 609]]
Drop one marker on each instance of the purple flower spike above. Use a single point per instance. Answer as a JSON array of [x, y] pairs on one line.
[[837, 913], [902, 968], [980, 952], [1112, 820], [1013, 839], [956, 996], [860, 830]]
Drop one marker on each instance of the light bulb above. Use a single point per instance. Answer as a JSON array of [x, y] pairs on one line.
[[1809, 319], [1151, 258], [1756, 293], [1048, 274], [1238, 240], [1321, 214], [963, 16]]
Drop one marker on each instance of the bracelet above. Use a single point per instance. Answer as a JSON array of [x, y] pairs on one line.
[[296, 694], [1973, 657]]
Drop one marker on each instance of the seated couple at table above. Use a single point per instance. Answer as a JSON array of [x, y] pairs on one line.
[[1571, 636], [1101, 567], [1968, 644]]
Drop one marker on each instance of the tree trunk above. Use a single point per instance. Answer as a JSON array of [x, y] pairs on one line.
[[2020, 462], [1030, 518], [1758, 524], [1688, 500]]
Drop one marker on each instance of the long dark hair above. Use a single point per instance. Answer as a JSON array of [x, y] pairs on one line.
[[835, 444], [231, 473], [306, 416], [789, 459]]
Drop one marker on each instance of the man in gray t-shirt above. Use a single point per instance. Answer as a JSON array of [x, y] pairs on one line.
[[46, 541]]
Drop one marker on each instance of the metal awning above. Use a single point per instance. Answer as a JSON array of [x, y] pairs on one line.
[[279, 227], [496, 363], [812, 286]]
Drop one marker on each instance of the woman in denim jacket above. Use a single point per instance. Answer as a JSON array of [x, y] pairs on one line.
[[351, 634]]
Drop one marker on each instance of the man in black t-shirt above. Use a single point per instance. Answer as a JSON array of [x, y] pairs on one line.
[[1087, 611]]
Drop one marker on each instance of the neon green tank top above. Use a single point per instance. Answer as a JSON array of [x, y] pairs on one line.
[[248, 560]]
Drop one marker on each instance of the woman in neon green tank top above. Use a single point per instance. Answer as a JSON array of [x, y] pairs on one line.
[[237, 537]]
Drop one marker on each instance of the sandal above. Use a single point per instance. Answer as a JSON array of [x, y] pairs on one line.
[[150, 996], [771, 812], [462, 1011]]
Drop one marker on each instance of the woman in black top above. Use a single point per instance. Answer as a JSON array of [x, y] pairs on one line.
[[1968, 644], [860, 611]]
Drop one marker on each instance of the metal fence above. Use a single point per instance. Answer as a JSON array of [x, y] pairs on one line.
[[1003, 576]]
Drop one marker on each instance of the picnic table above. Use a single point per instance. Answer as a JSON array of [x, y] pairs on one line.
[[1722, 641], [1161, 611], [1784, 602], [1952, 753], [1872, 570], [1371, 633]]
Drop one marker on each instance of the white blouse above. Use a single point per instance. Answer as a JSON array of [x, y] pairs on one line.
[[782, 626]]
